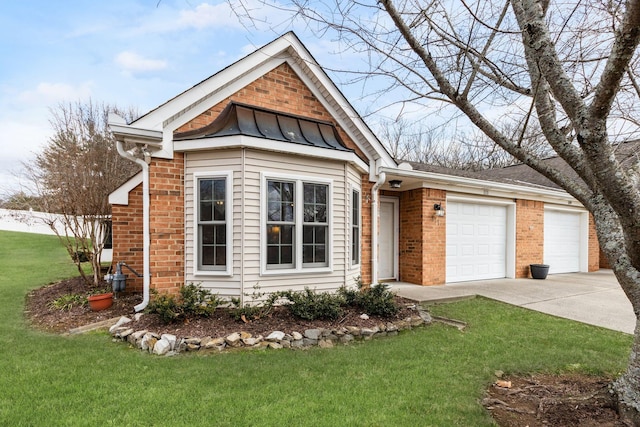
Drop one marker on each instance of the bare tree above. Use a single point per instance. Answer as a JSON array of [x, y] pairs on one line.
[[74, 175], [569, 67]]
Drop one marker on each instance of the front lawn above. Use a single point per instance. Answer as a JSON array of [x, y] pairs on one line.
[[433, 376]]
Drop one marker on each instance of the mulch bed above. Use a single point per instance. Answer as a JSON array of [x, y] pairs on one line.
[[540, 400]]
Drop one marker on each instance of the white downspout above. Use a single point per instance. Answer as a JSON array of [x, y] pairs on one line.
[[374, 226], [146, 279]]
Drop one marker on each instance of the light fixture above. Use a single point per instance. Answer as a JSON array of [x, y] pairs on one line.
[[395, 183], [438, 208]]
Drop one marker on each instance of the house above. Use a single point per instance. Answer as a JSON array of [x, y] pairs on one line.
[[264, 175]]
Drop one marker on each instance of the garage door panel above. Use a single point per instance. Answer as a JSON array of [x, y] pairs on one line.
[[562, 241], [476, 241]]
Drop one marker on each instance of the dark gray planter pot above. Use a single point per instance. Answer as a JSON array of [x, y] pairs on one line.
[[539, 271]]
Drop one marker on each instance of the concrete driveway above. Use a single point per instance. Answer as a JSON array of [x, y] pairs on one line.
[[594, 298]]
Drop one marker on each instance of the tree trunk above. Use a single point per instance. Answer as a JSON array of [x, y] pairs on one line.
[[627, 387]]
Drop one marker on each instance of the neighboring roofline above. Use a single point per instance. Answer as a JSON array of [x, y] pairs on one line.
[[120, 196]]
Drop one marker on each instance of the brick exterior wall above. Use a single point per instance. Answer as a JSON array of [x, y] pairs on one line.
[[529, 235], [127, 237], [281, 90], [422, 240], [166, 192]]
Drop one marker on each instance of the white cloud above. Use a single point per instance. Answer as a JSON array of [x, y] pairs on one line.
[[206, 15], [133, 62], [48, 93]]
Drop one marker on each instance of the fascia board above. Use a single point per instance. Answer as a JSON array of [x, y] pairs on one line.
[[482, 187], [128, 133], [120, 196], [242, 141]]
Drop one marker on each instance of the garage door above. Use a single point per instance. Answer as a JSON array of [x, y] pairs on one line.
[[562, 241], [476, 241]]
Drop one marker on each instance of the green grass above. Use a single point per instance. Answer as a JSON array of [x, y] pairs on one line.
[[433, 376]]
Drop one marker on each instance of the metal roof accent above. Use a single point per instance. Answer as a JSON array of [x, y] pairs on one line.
[[241, 119]]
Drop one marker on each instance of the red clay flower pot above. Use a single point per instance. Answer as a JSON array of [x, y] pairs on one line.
[[100, 301]]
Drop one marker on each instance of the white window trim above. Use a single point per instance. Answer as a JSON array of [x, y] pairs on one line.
[[353, 188], [228, 175], [299, 194]]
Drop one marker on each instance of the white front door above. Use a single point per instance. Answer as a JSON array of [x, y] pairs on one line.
[[388, 239]]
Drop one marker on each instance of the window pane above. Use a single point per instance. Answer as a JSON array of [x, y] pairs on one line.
[[206, 211], [221, 255], [287, 255], [219, 189], [208, 255], [221, 234], [205, 189], [273, 255], [207, 234], [219, 210], [307, 234], [286, 236], [319, 254], [320, 235], [307, 254]]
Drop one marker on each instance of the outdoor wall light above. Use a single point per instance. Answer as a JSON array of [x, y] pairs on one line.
[[438, 208], [395, 183]]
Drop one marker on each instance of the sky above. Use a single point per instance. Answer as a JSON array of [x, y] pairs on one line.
[[130, 53]]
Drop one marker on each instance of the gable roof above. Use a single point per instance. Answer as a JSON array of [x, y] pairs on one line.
[[288, 48]]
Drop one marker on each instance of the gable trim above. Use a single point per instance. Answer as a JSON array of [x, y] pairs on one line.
[[120, 196]]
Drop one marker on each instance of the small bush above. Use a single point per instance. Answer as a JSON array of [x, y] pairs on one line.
[[255, 310], [378, 301], [193, 301], [67, 302], [375, 301], [312, 305]]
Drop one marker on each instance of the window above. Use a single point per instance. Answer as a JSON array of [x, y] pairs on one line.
[[280, 224], [213, 224], [297, 224], [315, 228], [355, 227]]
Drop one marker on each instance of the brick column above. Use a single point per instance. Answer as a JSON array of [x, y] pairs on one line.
[[529, 235], [365, 231], [166, 192], [422, 240]]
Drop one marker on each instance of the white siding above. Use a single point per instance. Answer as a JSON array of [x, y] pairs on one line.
[[247, 168]]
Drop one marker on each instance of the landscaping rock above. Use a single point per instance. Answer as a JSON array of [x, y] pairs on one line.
[[275, 336], [171, 339], [296, 336], [162, 347], [214, 342], [233, 340], [313, 334], [120, 322]]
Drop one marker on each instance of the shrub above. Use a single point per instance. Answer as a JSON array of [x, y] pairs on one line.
[[312, 305], [375, 301], [67, 302], [193, 301], [254, 310]]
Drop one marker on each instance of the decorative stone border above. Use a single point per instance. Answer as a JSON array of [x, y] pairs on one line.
[[170, 345]]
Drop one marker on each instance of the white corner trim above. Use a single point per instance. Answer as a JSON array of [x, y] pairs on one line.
[[120, 196]]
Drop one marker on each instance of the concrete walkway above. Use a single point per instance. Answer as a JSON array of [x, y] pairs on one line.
[[593, 298]]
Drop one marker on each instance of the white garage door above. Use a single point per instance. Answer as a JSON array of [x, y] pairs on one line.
[[476, 241], [562, 241]]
